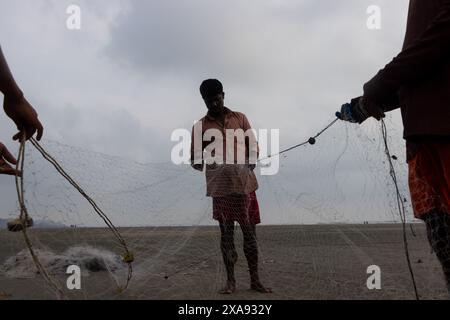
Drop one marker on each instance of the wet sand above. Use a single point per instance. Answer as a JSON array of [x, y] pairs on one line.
[[297, 262]]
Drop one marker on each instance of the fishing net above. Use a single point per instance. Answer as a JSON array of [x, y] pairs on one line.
[[330, 213]]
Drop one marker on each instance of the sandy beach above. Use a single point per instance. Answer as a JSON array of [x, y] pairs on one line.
[[297, 262]]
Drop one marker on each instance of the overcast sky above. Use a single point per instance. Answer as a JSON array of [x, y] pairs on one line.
[[130, 76]]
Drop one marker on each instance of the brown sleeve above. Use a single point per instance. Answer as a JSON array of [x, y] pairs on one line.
[[425, 55], [245, 123], [246, 126]]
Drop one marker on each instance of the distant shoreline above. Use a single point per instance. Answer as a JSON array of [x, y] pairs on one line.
[[216, 225]]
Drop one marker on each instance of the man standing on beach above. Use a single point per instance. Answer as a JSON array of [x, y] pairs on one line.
[[230, 179], [418, 82], [19, 110]]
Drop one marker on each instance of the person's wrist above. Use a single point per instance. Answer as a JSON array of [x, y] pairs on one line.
[[359, 110], [12, 91]]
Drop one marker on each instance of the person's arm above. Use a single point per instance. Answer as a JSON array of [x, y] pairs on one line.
[[16, 106], [251, 144], [424, 56], [197, 147], [8, 85]]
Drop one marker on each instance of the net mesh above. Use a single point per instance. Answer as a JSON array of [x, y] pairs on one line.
[[329, 214]]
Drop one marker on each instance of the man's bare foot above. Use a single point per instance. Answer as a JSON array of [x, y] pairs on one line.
[[230, 288], [258, 286]]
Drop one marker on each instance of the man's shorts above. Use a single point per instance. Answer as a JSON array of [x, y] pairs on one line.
[[242, 208], [429, 177]]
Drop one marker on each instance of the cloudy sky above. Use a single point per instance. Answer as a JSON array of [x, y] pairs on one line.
[[130, 76]]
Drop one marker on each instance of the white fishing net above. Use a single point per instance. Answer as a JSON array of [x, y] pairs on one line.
[[329, 214]]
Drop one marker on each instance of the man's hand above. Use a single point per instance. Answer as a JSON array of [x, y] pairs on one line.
[[371, 108], [5, 157], [359, 110], [23, 115]]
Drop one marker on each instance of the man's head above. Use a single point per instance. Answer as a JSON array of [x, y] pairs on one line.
[[213, 95]]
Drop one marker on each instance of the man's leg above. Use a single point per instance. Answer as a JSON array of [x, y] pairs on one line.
[[438, 232], [429, 185], [251, 253], [229, 255]]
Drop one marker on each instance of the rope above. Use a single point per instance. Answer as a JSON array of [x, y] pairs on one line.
[[24, 218], [311, 141], [128, 256], [400, 204]]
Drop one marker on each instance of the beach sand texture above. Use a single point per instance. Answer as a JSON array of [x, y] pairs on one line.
[[297, 262]]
